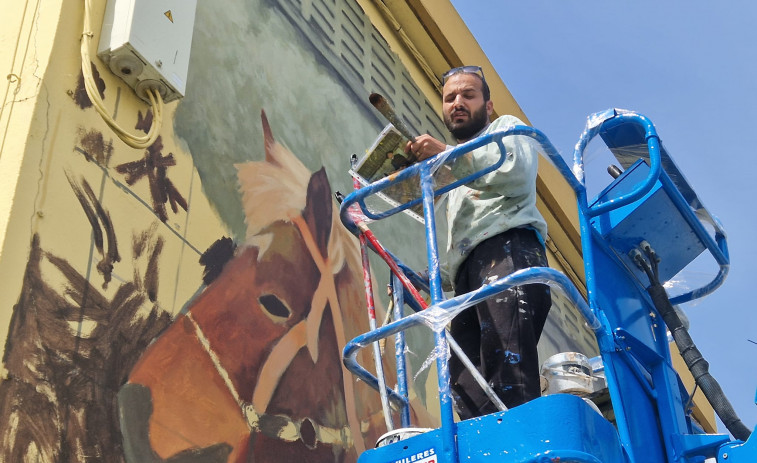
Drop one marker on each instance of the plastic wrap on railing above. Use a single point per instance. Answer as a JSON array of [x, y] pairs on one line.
[[432, 254], [688, 285], [436, 352], [440, 166], [593, 124], [715, 283], [551, 153], [395, 192], [406, 176], [439, 315], [545, 147], [655, 169], [451, 155], [627, 155], [718, 246], [444, 181], [355, 213]]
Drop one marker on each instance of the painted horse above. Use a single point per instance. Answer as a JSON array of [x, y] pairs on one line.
[[252, 370]]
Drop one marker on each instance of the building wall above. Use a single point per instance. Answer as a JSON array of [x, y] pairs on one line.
[[191, 300]]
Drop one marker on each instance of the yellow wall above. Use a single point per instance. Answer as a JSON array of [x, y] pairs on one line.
[[45, 133]]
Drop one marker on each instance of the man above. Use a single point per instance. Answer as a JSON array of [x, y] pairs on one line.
[[494, 230]]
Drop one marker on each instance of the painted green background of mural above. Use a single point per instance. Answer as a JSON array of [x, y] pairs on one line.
[[260, 62]]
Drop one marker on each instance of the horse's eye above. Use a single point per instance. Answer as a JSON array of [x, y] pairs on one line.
[[275, 308]]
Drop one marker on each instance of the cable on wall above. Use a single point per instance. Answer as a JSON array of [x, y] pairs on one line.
[[156, 101]]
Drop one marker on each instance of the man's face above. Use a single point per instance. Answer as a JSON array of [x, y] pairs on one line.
[[464, 109]]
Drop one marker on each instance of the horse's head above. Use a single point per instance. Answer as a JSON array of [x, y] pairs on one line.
[[270, 329]]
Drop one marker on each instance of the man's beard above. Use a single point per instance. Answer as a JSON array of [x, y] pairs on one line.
[[466, 130]]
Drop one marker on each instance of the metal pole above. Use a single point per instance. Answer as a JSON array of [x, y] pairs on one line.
[[372, 324], [449, 427]]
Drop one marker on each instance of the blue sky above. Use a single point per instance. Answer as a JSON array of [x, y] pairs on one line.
[[690, 67]]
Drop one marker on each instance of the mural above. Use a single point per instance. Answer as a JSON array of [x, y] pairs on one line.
[[244, 364], [225, 381]]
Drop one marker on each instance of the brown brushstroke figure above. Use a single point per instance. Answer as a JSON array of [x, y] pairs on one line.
[[80, 94], [94, 147], [69, 349], [154, 166], [97, 215]]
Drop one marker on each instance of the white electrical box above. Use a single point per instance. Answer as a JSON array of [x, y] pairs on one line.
[[146, 43]]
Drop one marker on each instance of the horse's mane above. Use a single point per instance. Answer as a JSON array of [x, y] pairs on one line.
[[275, 190]]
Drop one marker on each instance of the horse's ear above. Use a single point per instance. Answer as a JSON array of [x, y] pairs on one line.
[[268, 137], [317, 212]]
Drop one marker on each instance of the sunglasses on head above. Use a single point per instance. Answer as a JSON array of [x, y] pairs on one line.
[[463, 70]]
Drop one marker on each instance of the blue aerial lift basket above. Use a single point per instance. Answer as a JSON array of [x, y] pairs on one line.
[[640, 231]]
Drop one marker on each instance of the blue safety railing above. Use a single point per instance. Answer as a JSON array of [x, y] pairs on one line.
[[444, 309], [608, 120], [635, 354]]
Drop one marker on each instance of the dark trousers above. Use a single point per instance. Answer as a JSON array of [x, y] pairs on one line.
[[500, 334]]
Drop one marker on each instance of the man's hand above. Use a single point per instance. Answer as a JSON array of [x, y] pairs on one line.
[[424, 147]]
